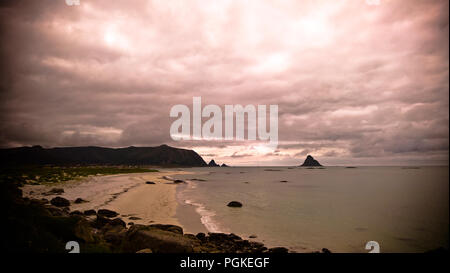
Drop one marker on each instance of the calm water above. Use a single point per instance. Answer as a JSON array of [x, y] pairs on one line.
[[404, 210]]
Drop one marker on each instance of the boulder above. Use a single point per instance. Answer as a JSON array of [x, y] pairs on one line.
[[107, 213], [159, 241], [171, 228], [80, 200], [178, 181], [76, 212], [149, 182], [90, 212], [55, 191], [278, 250], [235, 204], [60, 202], [83, 231]]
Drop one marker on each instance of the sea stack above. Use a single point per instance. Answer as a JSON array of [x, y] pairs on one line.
[[212, 163], [310, 162]]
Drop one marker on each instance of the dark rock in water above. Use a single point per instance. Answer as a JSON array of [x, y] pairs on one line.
[[171, 228], [55, 191], [107, 213], [224, 165], [212, 163], [79, 201], [310, 162], [90, 212], [235, 204], [278, 250], [60, 202], [178, 181], [149, 182]]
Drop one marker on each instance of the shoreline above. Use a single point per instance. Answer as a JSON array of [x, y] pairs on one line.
[[127, 194], [104, 231]]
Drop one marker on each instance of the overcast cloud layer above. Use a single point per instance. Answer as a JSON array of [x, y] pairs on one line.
[[355, 83]]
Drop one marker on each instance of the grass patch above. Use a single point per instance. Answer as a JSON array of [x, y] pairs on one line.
[[55, 174]]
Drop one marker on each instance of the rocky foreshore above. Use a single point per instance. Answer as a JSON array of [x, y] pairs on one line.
[[40, 225]]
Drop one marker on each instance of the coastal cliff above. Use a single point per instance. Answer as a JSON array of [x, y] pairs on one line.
[[163, 155]]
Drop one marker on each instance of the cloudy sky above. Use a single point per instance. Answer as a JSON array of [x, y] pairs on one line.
[[355, 83]]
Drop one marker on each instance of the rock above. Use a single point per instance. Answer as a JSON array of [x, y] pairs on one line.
[[310, 162], [253, 236], [107, 213], [212, 163], [145, 250], [76, 212], [38, 202], [134, 218], [54, 211], [171, 228], [178, 181], [83, 231], [224, 165], [79, 201], [130, 223], [90, 212], [149, 182], [100, 222], [117, 222], [326, 250], [60, 202], [159, 241], [235, 204], [201, 236], [283, 181], [55, 191], [278, 250]]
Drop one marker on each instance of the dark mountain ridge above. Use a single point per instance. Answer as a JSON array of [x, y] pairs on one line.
[[163, 155]]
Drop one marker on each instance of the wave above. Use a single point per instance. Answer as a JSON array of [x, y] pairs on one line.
[[206, 216]]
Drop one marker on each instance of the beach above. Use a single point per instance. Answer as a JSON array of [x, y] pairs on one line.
[[127, 194]]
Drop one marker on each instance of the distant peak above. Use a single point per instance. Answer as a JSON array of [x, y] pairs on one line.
[[212, 163], [310, 162]]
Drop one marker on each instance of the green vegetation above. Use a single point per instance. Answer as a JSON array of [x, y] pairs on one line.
[[54, 174]]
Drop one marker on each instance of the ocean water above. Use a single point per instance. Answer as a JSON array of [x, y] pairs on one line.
[[403, 209]]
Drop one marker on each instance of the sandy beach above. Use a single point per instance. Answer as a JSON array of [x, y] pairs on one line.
[[127, 194]]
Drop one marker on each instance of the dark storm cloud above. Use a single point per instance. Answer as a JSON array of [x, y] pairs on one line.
[[353, 82]]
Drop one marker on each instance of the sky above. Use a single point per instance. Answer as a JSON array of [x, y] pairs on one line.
[[358, 82]]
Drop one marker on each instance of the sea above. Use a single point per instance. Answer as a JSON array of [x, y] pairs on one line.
[[402, 209]]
